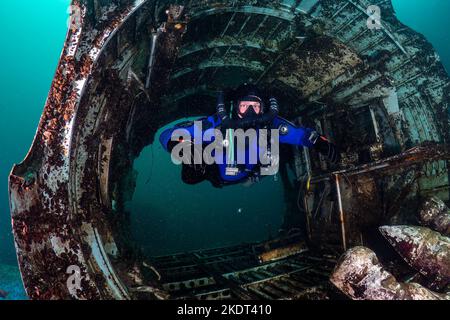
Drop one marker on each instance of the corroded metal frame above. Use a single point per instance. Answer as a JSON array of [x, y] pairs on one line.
[[58, 221]]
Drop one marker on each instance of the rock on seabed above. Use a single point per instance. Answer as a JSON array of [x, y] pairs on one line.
[[436, 215], [360, 276], [423, 249]]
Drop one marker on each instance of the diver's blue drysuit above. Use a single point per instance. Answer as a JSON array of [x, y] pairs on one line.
[[221, 172], [217, 174]]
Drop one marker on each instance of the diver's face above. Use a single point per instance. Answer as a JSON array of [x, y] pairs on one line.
[[245, 105]]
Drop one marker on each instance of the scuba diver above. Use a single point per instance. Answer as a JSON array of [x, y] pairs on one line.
[[250, 113]]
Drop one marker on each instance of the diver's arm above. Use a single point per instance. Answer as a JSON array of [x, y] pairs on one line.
[[188, 129], [166, 136], [328, 149], [306, 137]]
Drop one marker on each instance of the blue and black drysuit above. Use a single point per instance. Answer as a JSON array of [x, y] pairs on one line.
[[218, 174]]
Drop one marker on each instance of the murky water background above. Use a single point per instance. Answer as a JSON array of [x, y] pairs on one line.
[[169, 216], [32, 36]]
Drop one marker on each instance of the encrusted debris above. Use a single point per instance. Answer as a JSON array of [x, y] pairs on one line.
[[360, 276], [424, 250], [436, 215]]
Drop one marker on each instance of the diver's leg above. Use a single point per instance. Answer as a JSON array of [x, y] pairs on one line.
[[192, 175], [213, 176]]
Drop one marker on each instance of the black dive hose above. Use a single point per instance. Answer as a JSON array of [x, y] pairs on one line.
[[248, 122]]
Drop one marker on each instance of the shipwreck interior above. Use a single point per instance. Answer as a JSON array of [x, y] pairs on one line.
[[130, 68]]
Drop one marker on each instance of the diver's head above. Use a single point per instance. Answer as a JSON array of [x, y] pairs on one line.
[[250, 102], [249, 106]]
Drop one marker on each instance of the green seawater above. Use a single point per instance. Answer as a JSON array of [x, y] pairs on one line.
[[32, 34], [432, 19], [169, 216]]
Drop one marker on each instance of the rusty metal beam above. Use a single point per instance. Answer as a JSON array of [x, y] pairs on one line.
[[425, 153], [203, 89], [275, 13], [219, 63], [228, 41]]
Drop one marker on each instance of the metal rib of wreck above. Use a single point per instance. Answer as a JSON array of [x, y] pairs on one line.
[[127, 60]]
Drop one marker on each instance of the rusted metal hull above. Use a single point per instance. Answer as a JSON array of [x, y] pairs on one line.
[[52, 229], [107, 101]]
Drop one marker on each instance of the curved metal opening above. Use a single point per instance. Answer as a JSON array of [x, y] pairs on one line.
[[168, 216], [205, 63]]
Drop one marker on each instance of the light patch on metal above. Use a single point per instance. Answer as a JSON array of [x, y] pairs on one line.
[[59, 247], [102, 261], [76, 33], [68, 129]]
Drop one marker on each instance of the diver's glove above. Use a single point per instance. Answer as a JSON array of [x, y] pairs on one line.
[[326, 148], [274, 107], [221, 110]]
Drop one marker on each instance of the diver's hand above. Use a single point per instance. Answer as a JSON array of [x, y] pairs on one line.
[[274, 104], [221, 111], [328, 149]]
